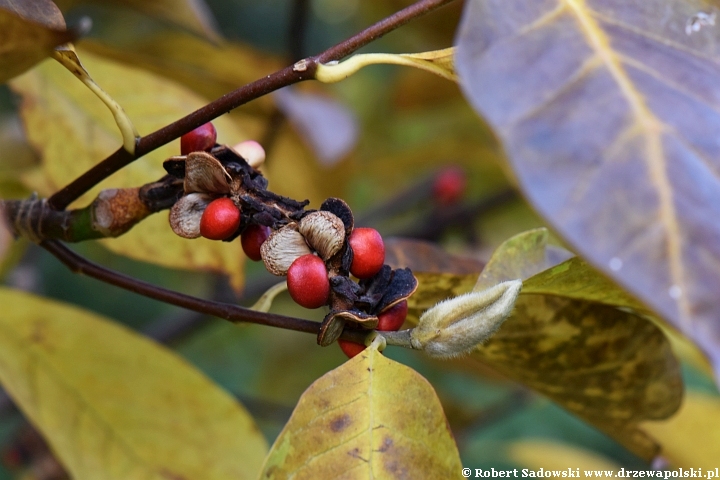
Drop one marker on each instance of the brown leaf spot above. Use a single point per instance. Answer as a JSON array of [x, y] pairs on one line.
[[340, 423], [171, 475], [387, 445], [355, 453]]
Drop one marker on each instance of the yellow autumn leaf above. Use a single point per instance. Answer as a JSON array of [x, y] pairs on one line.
[[548, 455], [115, 405], [73, 131], [369, 418], [691, 438], [209, 69]]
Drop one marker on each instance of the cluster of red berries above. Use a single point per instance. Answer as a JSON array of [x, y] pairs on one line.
[[307, 276], [221, 217]]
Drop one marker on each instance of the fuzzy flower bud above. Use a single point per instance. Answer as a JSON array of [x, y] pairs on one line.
[[455, 326]]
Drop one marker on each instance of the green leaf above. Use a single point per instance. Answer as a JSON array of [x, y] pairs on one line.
[[521, 256], [369, 418], [29, 31], [73, 130], [113, 404], [608, 112]]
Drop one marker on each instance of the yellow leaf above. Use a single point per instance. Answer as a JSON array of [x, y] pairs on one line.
[[209, 69], [691, 438], [536, 454], [25, 41], [115, 405], [73, 130], [369, 418]]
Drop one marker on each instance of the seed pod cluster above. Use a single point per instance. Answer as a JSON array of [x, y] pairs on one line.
[[316, 249]]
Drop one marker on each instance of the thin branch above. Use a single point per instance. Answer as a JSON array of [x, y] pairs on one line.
[[226, 311], [282, 78]]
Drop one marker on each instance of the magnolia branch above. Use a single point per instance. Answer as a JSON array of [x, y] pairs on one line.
[[300, 71], [232, 313]]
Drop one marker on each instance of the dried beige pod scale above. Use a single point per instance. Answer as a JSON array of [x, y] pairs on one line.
[[282, 248], [204, 173], [324, 232], [185, 215]]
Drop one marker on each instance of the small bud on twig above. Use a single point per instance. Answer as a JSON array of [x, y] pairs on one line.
[[457, 325]]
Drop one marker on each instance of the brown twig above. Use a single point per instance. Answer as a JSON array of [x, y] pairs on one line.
[[226, 311], [282, 78]]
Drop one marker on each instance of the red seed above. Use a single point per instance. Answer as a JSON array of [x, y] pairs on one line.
[[393, 318], [220, 219], [449, 186], [350, 348], [252, 239], [368, 252], [202, 139], [308, 282]]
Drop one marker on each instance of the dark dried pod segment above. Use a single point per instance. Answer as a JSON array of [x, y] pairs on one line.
[[374, 288], [345, 288], [346, 258], [362, 319], [175, 166], [402, 285], [330, 329], [341, 210], [162, 194], [227, 155]]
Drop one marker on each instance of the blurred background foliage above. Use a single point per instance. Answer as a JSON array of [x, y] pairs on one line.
[[399, 128]]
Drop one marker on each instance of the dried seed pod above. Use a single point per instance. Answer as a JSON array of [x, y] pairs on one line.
[[204, 173], [324, 232], [282, 248], [185, 215]]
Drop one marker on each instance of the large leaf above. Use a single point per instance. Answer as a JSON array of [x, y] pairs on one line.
[[549, 455], [73, 131], [193, 15], [114, 405], [691, 439], [209, 69], [611, 368], [369, 418], [29, 31], [608, 111]]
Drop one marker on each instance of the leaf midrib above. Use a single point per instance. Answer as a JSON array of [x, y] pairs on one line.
[[652, 129]]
